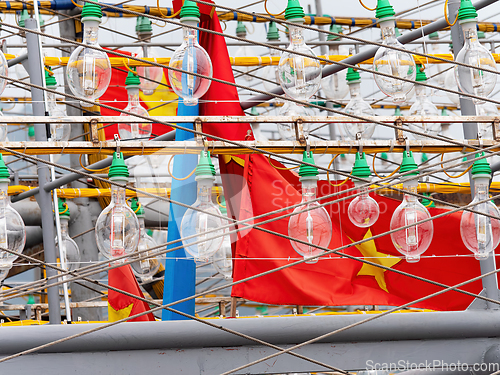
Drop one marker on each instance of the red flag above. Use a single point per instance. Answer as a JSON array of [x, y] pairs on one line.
[[337, 281], [120, 305]]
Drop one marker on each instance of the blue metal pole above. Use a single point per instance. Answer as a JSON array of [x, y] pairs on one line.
[[180, 273]]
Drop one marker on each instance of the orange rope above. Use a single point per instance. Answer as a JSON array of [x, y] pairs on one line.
[[175, 178], [364, 6], [163, 14], [90, 170], [274, 15], [375, 172], [458, 175], [328, 173], [76, 4], [279, 168], [446, 15]]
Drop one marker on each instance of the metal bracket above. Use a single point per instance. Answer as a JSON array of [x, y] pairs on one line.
[[399, 130], [200, 139], [496, 129], [117, 140], [299, 132], [94, 132]]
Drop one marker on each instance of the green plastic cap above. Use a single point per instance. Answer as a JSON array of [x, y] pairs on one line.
[[352, 75], [397, 32], [427, 202], [334, 28], [444, 112], [434, 35], [384, 156], [361, 168], [241, 29], [307, 170], [118, 167], [272, 33], [223, 205], [384, 10], [254, 111], [31, 131], [63, 208], [132, 79], [91, 11], [421, 77], [190, 9], [205, 166], [143, 25], [23, 17], [134, 205], [408, 164], [424, 158], [481, 167], [294, 10], [50, 80], [397, 111], [40, 20], [4, 171], [466, 11], [481, 35]]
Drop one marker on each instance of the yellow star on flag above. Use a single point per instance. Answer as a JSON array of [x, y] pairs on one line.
[[369, 251], [114, 315]]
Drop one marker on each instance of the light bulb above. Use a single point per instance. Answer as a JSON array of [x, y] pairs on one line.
[[203, 216], [313, 226], [69, 249], [150, 76], [4, 274], [58, 132], [335, 86], [485, 130], [437, 71], [363, 211], [89, 70], [12, 229], [450, 83], [481, 234], [415, 240], [190, 57], [359, 107], [139, 131], [474, 81], [117, 228], [3, 130], [395, 63], [300, 77], [423, 107], [244, 50], [223, 259], [271, 73], [148, 264], [286, 130]]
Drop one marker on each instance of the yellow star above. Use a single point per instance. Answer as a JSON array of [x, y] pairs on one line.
[[114, 315], [369, 250]]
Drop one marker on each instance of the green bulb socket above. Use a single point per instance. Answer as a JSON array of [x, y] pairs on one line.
[[31, 131], [408, 164], [136, 207], [223, 205], [424, 158], [91, 12], [308, 172], [427, 202], [466, 11], [143, 25], [118, 170], [352, 76], [421, 77], [397, 111], [434, 35], [190, 10], [361, 168], [23, 17], [205, 168], [294, 11], [384, 10], [481, 168], [4, 171], [63, 208], [254, 111], [481, 35], [132, 80], [241, 30], [50, 80], [384, 156], [272, 33], [335, 29]]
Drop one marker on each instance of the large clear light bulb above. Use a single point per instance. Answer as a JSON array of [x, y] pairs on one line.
[[313, 225], [335, 86], [191, 58], [363, 211], [416, 239], [223, 258], [485, 130], [58, 132], [12, 230], [423, 107], [300, 77], [244, 51], [69, 249], [139, 131], [359, 107], [89, 70], [474, 81], [450, 83], [286, 130], [148, 264], [270, 72], [150, 76], [3, 130], [204, 215], [395, 63], [117, 228], [437, 71], [480, 233]]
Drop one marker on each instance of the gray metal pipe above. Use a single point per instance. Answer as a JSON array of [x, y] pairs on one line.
[[170, 136], [369, 53], [44, 198], [17, 60], [280, 330]]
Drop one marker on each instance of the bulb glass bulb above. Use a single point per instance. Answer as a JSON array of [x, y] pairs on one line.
[[475, 81], [69, 249], [148, 264], [3, 130], [271, 73], [423, 107], [223, 258], [58, 132], [200, 219], [3, 274], [313, 226], [245, 51], [451, 84], [150, 76], [485, 130], [395, 63], [117, 228], [300, 77], [335, 86], [89, 70], [480, 233], [287, 130], [140, 131], [12, 230], [363, 211], [415, 240], [4, 70], [190, 57], [359, 107]]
